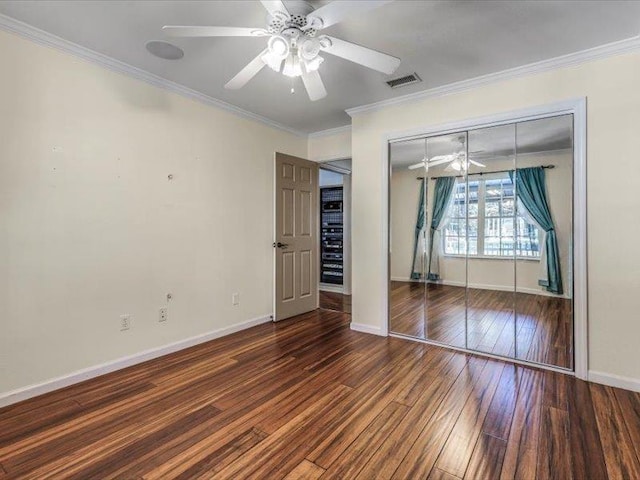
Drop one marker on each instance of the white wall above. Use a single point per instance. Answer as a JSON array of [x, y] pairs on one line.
[[484, 272], [92, 228], [613, 116], [330, 146], [404, 192]]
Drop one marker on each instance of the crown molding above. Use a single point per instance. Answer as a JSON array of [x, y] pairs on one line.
[[330, 131], [41, 37], [620, 47]]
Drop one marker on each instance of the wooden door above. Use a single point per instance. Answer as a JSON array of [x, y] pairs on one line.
[[296, 236]]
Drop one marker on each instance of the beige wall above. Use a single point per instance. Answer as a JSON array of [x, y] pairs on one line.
[[92, 228], [484, 272], [329, 147], [613, 115]]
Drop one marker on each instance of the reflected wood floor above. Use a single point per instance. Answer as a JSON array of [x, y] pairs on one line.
[[310, 398], [544, 324]]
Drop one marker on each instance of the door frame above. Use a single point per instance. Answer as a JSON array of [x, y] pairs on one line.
[[578, 108]]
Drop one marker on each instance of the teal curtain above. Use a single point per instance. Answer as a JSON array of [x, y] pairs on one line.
[[415, 275], [532, 192], [441, 198]]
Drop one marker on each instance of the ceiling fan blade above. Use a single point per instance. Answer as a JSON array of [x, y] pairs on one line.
[[313, 84], [477, 164], [274, 6], [193, 31], [415, 166], [247, 73], [362, 55], [338, 10], [433, 163]]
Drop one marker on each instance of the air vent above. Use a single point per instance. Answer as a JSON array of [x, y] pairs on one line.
[[404, 81]]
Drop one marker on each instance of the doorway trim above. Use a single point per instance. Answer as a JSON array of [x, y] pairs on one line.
[[575, 106]]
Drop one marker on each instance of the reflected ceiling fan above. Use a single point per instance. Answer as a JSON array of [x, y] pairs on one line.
[[457, 161], [294, 41]]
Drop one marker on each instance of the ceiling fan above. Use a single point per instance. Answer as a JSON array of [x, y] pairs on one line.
[[457, 161], [294, 40]]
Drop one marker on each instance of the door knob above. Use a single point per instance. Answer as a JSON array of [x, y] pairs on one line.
[[281, 245]]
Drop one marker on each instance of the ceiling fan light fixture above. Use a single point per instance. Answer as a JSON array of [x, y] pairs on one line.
[[278, 47], [313, 64], [325, 42], [272, 61], [292, 66], [309, 49]]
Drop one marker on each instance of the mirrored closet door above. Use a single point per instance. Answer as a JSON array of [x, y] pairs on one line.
[[481, 240]]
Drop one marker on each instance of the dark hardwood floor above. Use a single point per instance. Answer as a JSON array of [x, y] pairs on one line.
[[310, 398], [335, 301], [544, 324]]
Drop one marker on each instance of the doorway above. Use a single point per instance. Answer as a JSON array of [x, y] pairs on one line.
[[335, 235]]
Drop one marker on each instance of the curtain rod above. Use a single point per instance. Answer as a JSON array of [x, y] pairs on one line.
[[482, 173]]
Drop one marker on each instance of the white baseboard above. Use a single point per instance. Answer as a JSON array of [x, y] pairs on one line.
[[498, 288], [327, 287], [612, 380], [361, 327], [484, 286], [15, 396], [403, 279]]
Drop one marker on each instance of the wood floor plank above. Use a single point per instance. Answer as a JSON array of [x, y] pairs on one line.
[[421, 457], [272, 454], [335, 301], [620, 460], [500, 415], [224, 456], [630, 407], [521, 455], [457, 451], [310, 398], [146, 444], [305, 470], [394, 450], [554, 450], [360, 450], [437, 474], [486, 461], [586, 446], [388, 383]]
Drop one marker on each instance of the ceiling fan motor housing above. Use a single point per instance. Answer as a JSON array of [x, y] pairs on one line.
[[293, 24]]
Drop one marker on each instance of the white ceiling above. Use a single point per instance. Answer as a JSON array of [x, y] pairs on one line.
[[443, 41], [485, 144]]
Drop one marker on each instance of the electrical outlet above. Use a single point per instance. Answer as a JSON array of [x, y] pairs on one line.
[[235, 299], [163, 314], [125, 322]]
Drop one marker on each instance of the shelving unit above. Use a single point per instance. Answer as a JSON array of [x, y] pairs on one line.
[[331, 235]]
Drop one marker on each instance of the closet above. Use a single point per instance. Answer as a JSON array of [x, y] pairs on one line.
[[481, 240]]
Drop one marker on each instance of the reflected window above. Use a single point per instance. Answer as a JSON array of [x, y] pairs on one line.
[[455, 231], [491, 224]]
